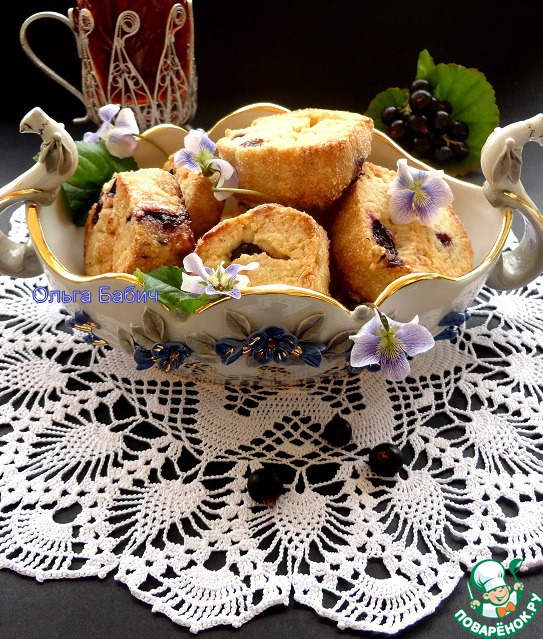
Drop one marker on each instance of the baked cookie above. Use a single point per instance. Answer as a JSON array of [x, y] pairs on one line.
[[202, 206], [370, 251], [304, 159], [140, 222], [290, 247]]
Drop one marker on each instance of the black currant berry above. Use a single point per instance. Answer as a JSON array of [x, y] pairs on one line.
[[398, 129], [407, 142], [444, 238], [460, 150], [386, 459], [418, 123], [337, 432], [422, 145], [442, 120], [426, 127], [390, 114], [420, 100], [246, 248], [433, 105], [384, 238], [420, 85], [264, 486], [443, 105], [459, 130], [443, 154]]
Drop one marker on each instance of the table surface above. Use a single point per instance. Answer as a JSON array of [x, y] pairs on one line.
[[296, 54]]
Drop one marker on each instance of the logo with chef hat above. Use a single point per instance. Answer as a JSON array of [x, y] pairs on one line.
[[498, 598]]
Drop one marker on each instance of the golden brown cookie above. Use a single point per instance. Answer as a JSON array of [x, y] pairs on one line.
[[304, 159], [138, 222], [370, 251], [290, 247], [202, 206]]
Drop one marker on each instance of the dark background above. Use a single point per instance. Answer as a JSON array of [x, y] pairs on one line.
[[303, 53], [298, 54]]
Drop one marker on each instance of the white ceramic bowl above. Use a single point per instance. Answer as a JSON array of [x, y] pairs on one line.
[[312, 317]]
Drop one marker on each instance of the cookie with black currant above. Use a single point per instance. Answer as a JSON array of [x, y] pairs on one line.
[[140, 221], [370, 251], [288, 245]]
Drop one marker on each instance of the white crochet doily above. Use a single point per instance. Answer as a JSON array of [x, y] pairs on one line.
[[104, 469]]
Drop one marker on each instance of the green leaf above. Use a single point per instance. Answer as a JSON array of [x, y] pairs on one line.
[[425, 65], [172, 275], [390, 97], [166, 281], [95, 167]]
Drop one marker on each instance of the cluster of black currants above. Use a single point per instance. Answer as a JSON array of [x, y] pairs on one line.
[[426, 127]]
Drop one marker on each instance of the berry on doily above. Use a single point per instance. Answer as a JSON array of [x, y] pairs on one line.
[[264, 486], [386, 459], [337, 432]]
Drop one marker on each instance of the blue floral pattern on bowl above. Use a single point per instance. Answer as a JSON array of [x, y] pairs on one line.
[[84, 323], [453, 322], [167, 356], [272, 343]]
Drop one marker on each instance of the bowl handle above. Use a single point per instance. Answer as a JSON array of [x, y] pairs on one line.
[[501, 163], [57, 162]]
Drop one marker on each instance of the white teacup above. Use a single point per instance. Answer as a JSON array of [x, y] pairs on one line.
[[56, 246]]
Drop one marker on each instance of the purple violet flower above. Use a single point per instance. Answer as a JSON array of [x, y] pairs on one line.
[[199, 155], [106, 113], [416, 193], [121, 136], [219, 281], [388, 343]]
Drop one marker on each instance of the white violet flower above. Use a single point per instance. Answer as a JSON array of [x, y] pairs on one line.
[[199, 155], [121, 136], [209, 281], [416, 193]]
